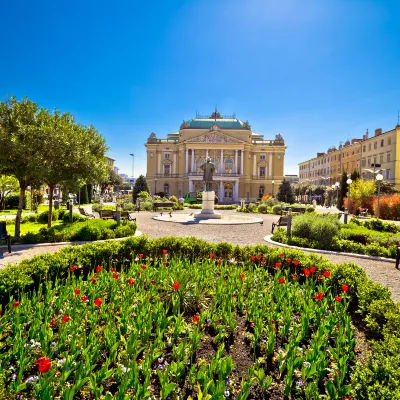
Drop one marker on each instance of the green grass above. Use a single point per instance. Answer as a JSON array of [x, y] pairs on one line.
[[32, 227]]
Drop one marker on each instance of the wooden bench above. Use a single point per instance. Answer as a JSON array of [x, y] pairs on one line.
[[156, 206], [107, 214], [85, 213], [4, 235], [130, 216], [295, 210], [282, 221]]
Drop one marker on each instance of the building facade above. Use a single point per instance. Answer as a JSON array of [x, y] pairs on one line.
[[246, 164], [367, 156]]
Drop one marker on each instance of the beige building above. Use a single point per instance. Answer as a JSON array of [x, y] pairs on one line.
[[247, 165], [379, 152]]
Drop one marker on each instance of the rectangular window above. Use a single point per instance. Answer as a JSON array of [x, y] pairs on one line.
[[375, 145], [381, 158], [388, 174], [389, 141], [167, 170], [166, 155], [262, 157], [262, 171], [369, 147], [369, 161], [388, 157], [364, 148], [382, 143]]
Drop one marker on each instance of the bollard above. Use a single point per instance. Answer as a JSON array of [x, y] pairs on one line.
[[71, 218], [118, 214], [346, 214], [398, 257], [289, 223]]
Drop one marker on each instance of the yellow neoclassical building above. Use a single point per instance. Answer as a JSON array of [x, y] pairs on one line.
[[247, 165]]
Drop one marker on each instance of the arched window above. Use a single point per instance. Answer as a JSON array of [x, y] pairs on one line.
[[228, 166], [166, 188]]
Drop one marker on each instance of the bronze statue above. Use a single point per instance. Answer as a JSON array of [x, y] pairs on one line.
[[208, 169]]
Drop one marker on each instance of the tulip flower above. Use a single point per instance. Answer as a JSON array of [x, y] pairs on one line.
[[196, 319], [281, 280], [296, 262], [99, 268], [165, 252], [306, 272], [277, 265], [16, 304], [84, 298], [143, 267], [312, 269], [116, 275], [212, 255], [73, 268], [338, 298], [345, 288], [77, 291], [98, 302], [241, 276], [327, 274], [66, 318], [44, 364], [131, 281], [252, 258], [319, 296], [176, 285], [140, 255], [259, 257]]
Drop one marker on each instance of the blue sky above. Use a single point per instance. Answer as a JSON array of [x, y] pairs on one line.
[[318, 72]]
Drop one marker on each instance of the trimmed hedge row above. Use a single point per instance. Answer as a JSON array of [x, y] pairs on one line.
[[371, 300]]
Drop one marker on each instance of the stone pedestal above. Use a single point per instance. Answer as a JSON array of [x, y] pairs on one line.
[[208, 207]]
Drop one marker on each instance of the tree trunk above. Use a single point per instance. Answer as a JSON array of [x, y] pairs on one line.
[[22, 188], [50, 216]]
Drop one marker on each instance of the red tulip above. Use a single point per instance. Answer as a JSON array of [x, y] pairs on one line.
[[281, 255], [217, 262], [140, 256], [77, 291], [176, 285], [66, 318], [212, 255], [99, 268], [116, 275], [259, 256], [241, 276], [98, 302], [252, 258], [165, 263], [143, 267], [153, 282], [306, 272], [17, 304], [44, 364], [296, 262], [93, 279], [312, 269], [131, 281], [277, 265], [327, 274], [84, 298], [165, 251], [196, 319], [52, 323], [294, 277], [112, 270], [338, 298], [345, 288], [281, 280], [73, 268], [319, 296], [289, 260]]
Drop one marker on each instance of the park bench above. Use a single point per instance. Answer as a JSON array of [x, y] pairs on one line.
[[85, 213], [295, 210], [107, 214], [4, 235], [156, 206], [282, 221], [130, 216]]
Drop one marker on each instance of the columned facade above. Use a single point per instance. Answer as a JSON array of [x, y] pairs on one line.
[[245, 163]]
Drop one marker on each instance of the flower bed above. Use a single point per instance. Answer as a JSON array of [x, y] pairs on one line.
[[190, 318]]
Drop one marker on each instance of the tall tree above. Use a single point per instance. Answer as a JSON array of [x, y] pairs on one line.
[[112, 179], [20, 145], [355, 175], [285, 192], [8, 186], [342, 190], [140, 186]]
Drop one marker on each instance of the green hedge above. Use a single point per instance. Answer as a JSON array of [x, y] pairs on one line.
[[217, 206]]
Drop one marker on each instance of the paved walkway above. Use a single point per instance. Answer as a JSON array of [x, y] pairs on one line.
[[380, 271]]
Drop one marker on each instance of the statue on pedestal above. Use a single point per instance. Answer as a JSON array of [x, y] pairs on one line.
[[208, 169]]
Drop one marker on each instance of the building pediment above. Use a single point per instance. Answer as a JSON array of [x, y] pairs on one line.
[[214, 136]]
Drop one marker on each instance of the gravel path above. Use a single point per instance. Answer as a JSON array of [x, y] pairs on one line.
[[379, 271]]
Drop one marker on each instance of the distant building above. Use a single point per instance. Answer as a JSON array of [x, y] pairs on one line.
[[110, 162], [124, 177], [246, 163], [292, 178]]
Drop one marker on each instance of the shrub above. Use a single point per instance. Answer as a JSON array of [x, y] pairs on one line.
[[75, 217], [389, 206], [44, 215], [173, 199], [381, 226], [148, 206], [29, 218], [277, 209], [252, 207], [262, 208]]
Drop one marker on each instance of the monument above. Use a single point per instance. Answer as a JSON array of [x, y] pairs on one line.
[[208, 199]]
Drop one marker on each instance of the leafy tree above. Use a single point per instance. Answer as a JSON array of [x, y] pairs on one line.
[[113, 179], [140, 186], [285, 192], [388, 188], [342, 190], [361, 189], [355, 175], [90, 192], [83, 195], [21, 148], [8, 186], [125, 186]]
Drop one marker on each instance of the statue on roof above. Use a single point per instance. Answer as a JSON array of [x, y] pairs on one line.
[[152, 135], [184, 125], [246, 125], [278, 137], [215, 115]]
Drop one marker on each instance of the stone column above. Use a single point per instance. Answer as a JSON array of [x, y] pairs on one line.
[[242, 162], [221, 163], [270, 165], [159, 163], [192, 168], [221, 191], [190, 185], [236, 191], [174, 167], [206, 154], [255, 164], [187, 162], [235, 169]]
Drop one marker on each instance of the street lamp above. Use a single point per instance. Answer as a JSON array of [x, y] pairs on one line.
[[333, 191], [337, 184], [349, 182], [133, 166], [379, 178], [273, 182]]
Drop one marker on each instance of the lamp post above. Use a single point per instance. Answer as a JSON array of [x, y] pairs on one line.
[[379, 178], [349, 182], [333, 191], [133, 163], [155, 186], [273, 182], [337, 184]]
